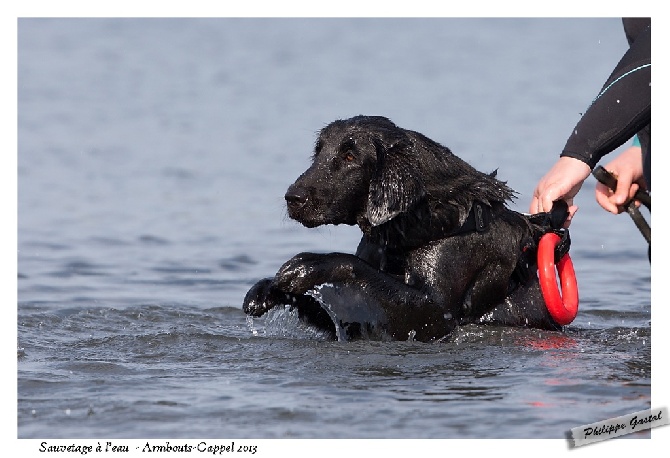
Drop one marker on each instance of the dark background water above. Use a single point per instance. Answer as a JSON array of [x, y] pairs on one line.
[[153, 155]]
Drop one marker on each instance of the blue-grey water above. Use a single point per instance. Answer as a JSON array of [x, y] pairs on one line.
[[153, 156]]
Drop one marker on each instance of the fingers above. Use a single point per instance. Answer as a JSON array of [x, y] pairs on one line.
[[543, 197], [624, 182], [547, 201], [535, 201], [541, 204], [545, 204], [627, 168], [562, 181], [534, 205], [614, 202], [604, 197]]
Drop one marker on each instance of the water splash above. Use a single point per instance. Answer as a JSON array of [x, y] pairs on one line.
[[284, 322], [316, 294]]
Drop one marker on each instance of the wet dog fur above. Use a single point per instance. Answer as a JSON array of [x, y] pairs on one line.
[[409, 196]]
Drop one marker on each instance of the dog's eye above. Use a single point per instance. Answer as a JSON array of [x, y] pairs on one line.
[[347, 150]]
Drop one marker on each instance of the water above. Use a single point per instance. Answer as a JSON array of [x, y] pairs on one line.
[[153, 157]]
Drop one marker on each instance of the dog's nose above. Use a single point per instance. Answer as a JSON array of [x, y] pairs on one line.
[[296, 196]]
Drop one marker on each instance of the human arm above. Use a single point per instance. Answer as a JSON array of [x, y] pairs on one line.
[[621, 109]]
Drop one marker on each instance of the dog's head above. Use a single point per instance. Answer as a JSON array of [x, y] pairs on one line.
[[335, 188], [368, 171]]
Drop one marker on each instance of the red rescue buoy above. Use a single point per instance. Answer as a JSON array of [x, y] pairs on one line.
[[563, 309]]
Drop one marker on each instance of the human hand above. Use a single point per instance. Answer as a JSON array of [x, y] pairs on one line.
[[562, 181], [627, 168]]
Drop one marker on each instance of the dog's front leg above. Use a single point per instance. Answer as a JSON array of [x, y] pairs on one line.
[[306, 270], [406, 312]]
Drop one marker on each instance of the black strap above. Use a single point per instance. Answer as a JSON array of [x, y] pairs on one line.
[[553, 219], [478, 219], [563, 246]]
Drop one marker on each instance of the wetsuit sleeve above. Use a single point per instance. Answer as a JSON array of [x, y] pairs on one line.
[[621, 109]]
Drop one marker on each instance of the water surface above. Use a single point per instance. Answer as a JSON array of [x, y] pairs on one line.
[[153, 158]]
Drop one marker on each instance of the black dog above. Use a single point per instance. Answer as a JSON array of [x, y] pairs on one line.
[[439, 248]]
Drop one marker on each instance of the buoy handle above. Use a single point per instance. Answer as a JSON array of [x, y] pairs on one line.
[[562, 308]]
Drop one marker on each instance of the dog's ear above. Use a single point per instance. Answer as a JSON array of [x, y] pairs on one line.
[[396, 184]]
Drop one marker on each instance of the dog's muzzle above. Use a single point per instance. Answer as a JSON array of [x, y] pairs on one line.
[[297, 198]]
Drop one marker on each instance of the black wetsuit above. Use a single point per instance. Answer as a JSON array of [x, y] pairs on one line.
[[622, 109]]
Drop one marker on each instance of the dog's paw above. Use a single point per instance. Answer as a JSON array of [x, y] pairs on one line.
[[257, 300]]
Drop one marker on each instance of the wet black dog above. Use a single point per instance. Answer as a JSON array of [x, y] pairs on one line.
[[439, 248]]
